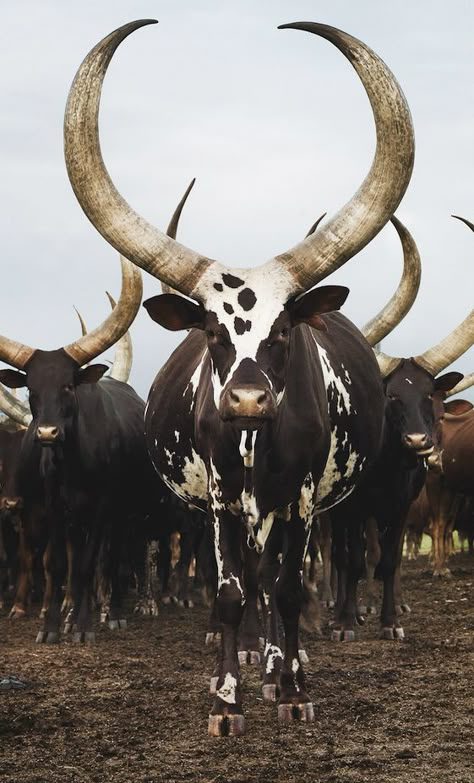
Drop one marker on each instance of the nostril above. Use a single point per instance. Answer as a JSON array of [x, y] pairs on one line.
[[261, 398], [234, 396]]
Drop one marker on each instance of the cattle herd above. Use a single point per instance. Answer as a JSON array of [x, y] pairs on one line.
[[276, 427]]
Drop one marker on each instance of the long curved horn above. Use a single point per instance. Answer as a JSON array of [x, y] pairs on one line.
[[402, 300], [387, 364], [172, 229], [135, 238], [81, 321], [123, 358], [466, 383], [100, 339], [306, 264], [455, 344], [14, 408], [451, 348], [13, 353], [371, 207]]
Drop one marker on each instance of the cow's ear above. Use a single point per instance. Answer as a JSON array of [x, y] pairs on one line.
[[308, 308], [13, 379], [456, 407], [91, 374], [448, 381], [175, 312]]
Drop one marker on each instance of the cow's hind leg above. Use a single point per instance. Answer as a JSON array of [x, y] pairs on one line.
[[226, 717], [294, 702]]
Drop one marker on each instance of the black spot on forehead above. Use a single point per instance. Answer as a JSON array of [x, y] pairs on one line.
[[228, 308], [247, 299], [231, 281], [218, 286], [239, 325]]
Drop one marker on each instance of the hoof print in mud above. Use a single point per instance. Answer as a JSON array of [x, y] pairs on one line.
[[289, 713], [226, 725]]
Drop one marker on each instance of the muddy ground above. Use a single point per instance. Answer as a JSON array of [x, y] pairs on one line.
[[134, 706]]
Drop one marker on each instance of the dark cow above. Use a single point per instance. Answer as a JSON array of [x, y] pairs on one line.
[[83, 458], [272, 406], [10, 445], [410, 386]]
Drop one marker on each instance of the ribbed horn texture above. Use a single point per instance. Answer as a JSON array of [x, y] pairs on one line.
[[14, 408], [466, 383], [119, 224], [123, 358], [387, 364], [402, 300], [371, 207], [451, 348], [104, 336], [13, 353], [306, 264], [172, 229]]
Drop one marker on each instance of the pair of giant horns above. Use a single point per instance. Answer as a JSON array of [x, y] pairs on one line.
[[304, 265], [439, 356], [466, 383], [90, 345]]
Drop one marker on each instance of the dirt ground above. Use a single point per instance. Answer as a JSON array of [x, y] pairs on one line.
[[134, 706]]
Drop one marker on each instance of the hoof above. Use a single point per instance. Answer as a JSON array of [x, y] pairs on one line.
[[345, 635], [166, 600], [83, 637], [251, 657], [288, 713], [185, 603], [47, 637], [149, 609], [371, 610], [303, 656], [116, 625], [390, 633], [213, 685], [405, 608], [210, 637], [16, 613], [226, 725], [270, 692], [327, 603], [42, 614], [67, 628], [104, 616]]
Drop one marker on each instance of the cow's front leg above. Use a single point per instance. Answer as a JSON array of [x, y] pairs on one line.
[[294, 702], [226, 718]]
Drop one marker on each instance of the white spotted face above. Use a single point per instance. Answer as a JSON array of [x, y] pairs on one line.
[[247, 326]]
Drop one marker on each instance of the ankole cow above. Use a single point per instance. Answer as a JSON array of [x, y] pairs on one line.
[[273, 404], [83, 459]]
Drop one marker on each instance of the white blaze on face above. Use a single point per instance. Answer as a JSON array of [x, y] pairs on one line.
[[271, 290], [408, 381]]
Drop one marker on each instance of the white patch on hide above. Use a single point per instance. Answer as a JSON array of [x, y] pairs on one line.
[[228, 689]]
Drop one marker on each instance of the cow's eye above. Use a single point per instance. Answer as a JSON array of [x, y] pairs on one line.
[[68, 387]]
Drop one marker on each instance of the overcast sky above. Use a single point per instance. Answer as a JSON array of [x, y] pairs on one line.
[[273, 123]]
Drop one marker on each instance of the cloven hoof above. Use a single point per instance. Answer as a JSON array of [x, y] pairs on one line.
[[47, 637], [288, 713], [392, 633], [83, 637], [251, 657], [270, 692], [226, 725], [344, 635], [116, 625]]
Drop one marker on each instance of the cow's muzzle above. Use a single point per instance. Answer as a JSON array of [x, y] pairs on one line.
[[49, 435], [419, 442], [248, 406]]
